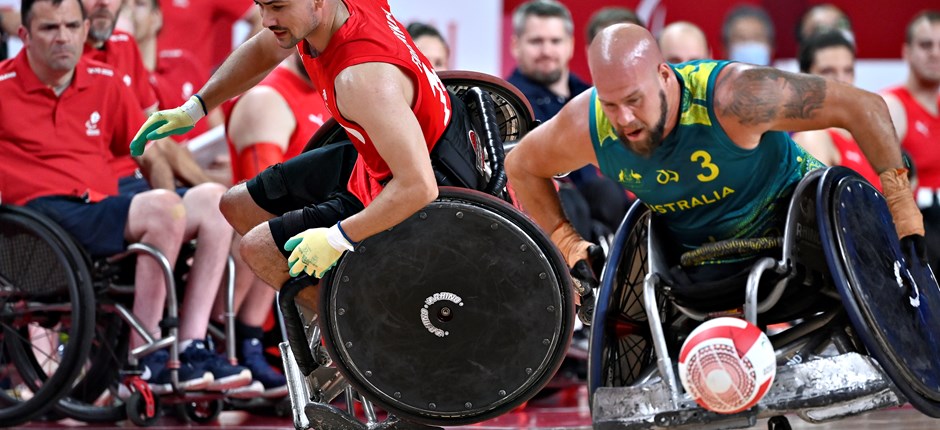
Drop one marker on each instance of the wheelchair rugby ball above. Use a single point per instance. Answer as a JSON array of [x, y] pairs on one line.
[[727, 365]]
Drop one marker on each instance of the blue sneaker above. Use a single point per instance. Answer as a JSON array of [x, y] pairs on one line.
[[252, 357], [157, 375], [225, 375]]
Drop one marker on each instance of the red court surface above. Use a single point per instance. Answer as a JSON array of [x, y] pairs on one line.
[[566, 410]]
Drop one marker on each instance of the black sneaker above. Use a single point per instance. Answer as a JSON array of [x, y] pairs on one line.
[[224, 374], [157, 375], [252, 357]]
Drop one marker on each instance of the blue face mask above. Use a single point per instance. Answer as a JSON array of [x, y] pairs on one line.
[[750, 52]]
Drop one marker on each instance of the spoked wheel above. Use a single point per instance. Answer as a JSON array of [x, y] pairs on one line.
[[513, 114], [457, 315], [621, 347], [46, 313], [94, 395]]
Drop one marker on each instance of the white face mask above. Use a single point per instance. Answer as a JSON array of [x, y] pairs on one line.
[[750, 52]]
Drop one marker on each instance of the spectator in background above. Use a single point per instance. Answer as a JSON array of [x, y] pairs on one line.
[[915, 111], [117, 49], [169, 162], [174, 74], [267, 125], [822, 17], [9, 24], [608, 16], [542, 44], [205, 27], [683, 41], [748, 35], [62, 117], [430, 42], [830, 55]]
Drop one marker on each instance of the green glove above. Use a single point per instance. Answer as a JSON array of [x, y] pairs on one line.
[[316, 250], [167, 123]]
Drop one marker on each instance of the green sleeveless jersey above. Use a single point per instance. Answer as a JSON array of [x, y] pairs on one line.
[[704, 186]]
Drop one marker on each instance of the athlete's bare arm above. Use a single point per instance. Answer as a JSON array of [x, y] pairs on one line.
[[244, 68], [898, 114], [261, 115], [378, 97], [751, 100], [560, 145]]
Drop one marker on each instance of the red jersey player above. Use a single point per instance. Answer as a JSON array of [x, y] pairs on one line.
[[381, 90]]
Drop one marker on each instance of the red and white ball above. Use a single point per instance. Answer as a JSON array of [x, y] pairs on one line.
[[727, 365]]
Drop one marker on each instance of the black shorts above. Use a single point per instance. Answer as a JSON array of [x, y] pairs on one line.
[[307, 191], [310, 190], [97, 227]]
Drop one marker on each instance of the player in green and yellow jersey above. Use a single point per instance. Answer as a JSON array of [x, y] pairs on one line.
[[704, 144]]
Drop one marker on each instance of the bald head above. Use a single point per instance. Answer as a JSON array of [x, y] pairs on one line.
[[623, 46], [683, 41]]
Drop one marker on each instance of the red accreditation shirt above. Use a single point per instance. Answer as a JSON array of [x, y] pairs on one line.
[[303, 100], [853, 158], [121, 53], [61, 145], [201, 26], [372, 34], [921, 139], [176, 78]]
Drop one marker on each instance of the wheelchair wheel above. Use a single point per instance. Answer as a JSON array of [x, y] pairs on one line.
[[620, 337], [93, 397], [513, 113], [895, 311], [621, 347], [46, 313], [459, 314]]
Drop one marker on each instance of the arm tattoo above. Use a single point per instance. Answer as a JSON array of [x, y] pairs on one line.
[[761, 95]]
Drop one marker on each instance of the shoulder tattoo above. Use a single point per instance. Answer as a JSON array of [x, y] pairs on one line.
[[761, 95]]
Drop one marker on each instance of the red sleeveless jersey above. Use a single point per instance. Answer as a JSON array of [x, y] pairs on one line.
[[373, 35], [920, 141], [309, 113], [851, 156]]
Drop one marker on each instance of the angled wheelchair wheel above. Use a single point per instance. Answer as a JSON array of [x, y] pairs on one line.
[[621, 344], [46, 313], [457, 315], [895, 311], [514, 115]]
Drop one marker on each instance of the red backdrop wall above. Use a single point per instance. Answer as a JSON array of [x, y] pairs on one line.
[[879, 24]]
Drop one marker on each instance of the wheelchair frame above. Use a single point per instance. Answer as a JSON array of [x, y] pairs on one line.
[[821, 389], [92, 277]]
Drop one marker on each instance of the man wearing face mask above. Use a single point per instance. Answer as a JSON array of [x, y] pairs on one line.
[[748, 35]]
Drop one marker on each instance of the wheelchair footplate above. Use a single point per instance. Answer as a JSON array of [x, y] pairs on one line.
[[819, 390]]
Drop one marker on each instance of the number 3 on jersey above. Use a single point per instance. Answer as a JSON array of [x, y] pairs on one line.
[[705, 160]]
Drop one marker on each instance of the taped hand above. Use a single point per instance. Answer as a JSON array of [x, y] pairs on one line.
[[167, 123], [316, 250], [908, 221]]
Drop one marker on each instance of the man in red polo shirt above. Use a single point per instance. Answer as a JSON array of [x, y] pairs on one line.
[[119, 50], [389, 100], [63, 117]]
